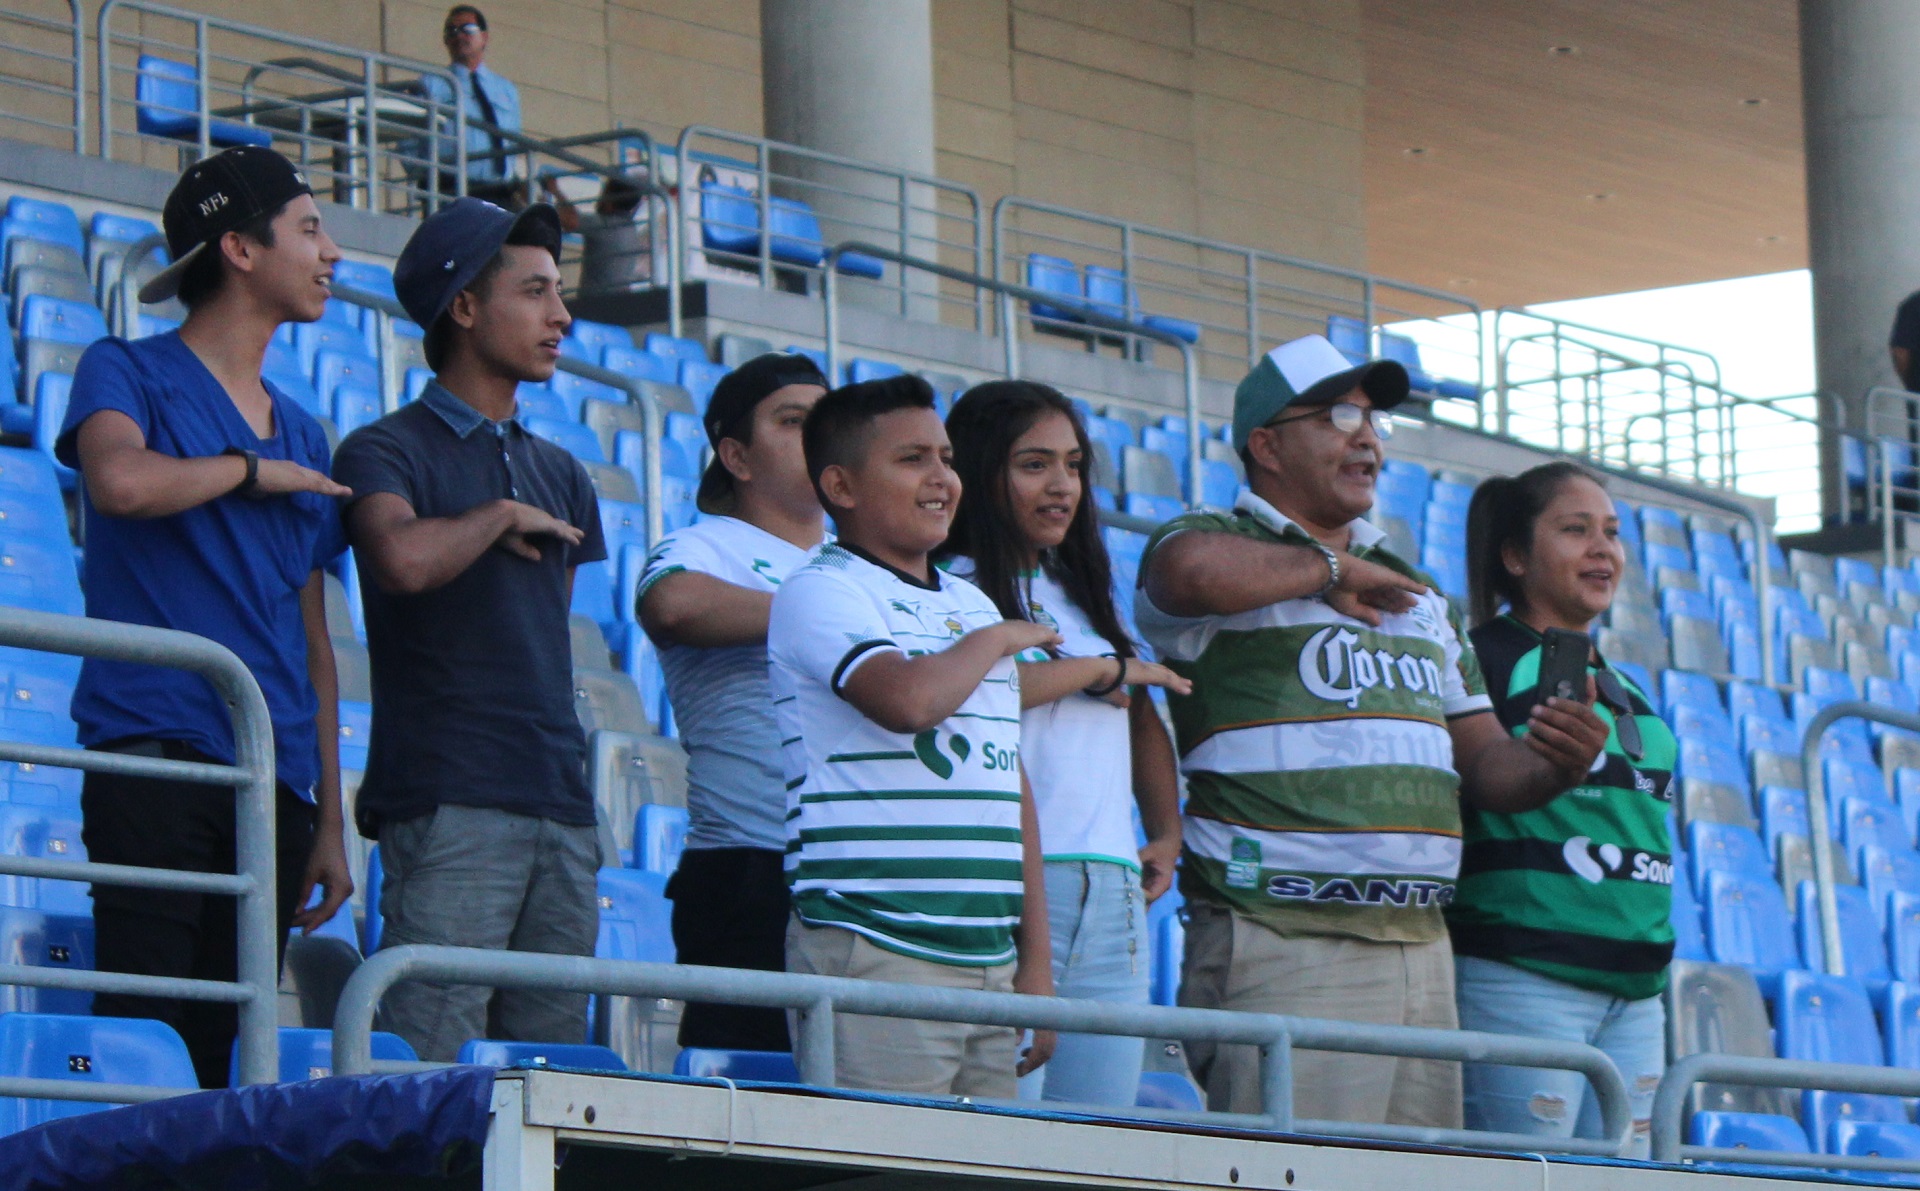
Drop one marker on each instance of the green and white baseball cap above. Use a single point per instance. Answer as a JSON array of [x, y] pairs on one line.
[[1310, 371]]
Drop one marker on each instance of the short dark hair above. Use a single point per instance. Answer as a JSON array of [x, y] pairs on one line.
[[835, 432], [208, 272], [527, 233], [1502, 513], [479, 18]]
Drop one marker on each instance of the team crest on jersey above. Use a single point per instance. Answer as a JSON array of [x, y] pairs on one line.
[[1041, 616], [955, 627], [1334, 666]]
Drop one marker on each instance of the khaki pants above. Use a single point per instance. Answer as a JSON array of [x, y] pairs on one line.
[[895, 1054], [1234, 963]]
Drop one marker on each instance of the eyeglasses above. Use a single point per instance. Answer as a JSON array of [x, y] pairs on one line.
[[470, 28], [1625, 725], [1346, 418]]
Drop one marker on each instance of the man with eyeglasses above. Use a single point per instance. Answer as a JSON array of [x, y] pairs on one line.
[[491, 98], [1337, 718]]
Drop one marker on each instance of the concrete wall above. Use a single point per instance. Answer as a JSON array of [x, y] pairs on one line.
[[1237, 119]]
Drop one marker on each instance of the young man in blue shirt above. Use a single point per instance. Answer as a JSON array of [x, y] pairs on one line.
[[208, 509], [469, 529]]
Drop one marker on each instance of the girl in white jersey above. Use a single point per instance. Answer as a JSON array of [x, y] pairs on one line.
[[1092, 743]]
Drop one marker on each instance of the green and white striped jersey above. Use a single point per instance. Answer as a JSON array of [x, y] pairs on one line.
[[911, 841], [1322, 798]]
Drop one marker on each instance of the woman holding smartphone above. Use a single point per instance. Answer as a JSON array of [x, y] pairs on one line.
[[1091, 741], [1560, 920]]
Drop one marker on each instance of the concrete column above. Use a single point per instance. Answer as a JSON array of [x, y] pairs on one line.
[[855, 78], [1861, 99]]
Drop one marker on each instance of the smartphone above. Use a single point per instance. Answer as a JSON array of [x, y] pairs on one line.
[[1563, 665]]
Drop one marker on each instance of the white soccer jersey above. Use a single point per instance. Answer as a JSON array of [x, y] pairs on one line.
[[911, 840]]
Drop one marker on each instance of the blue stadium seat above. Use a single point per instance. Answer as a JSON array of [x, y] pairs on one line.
[[45, 219], [1111, 431], [729, 219], [759, 1066], [308, 340], [39, 575], [1690, 719], [50, 833], [1168, 1089], [1054, 275], [540, 401], [1653, 556], [1861, 940], [364, 275], [1681, 601], [355, 406], [58, 320], [584, 1056], [597, 337], [860, 370], [307, 1053], [576, 438], [1725, 848], [167, 95], [102, 1050], [1689, 933], [1876, 1139], [1829, 686], [794, 238], [699, 378], [1903, 943], [1750, 698], [1825, 1019], [576, 391], [356, 731], [622, 523], [1854, 570], [1349, 337], [593, 598], [1760, 1132], [635, 916], [659, 836], [1156, 508], [34, 702], [642, 365], [1404, 351], [1665, 518], [1712, 760], [373, 926], [331, 370], [1743, 916], [1823, 1113], [1219, 484], [43, 939], [1679, 687], [1783, 811], [1874, 822], [1891, 692], [669, 348]]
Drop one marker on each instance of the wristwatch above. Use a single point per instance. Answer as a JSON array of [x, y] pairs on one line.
[[252, 479], [1333, 567]]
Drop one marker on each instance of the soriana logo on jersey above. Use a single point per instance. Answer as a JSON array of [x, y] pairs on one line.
[[1337, 666]]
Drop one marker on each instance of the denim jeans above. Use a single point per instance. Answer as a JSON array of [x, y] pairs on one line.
[[1503, 999], [1098, 918]]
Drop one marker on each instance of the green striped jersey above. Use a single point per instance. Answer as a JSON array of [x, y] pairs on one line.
[[1321, 793], [910, 840], [1581, 889]]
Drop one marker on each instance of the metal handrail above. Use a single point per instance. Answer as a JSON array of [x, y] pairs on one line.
[[1010, 329], [386, 309], [1369, 283], [76, 24], [817, 998], [1905, 427], [1820, 828], [203, 23], [1670, 1106], [253, 777], [764, 149]]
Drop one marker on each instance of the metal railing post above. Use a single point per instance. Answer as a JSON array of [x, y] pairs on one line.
[[1276, 1081], [1820, 825], [1670, 1106], [103, 49], [202, 63]]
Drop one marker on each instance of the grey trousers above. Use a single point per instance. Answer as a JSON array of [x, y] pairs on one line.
[[475, 877]]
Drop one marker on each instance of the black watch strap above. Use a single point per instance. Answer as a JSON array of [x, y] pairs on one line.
[[252, 479]]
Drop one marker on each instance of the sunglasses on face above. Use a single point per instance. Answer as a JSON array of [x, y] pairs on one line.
[[470, 28], [1625, 725], [1347, 418]]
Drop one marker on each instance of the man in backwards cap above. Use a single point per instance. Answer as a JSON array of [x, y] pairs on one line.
[[704, 599], [469, 529], [1337, 717], [208, 509]]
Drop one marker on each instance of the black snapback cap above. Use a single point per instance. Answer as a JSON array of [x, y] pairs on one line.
[[219, 195]]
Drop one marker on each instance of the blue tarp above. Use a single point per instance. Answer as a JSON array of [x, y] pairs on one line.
[[264, 1138]]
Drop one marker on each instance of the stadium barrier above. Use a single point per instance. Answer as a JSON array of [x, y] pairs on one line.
[[1820, 826], [1009, 292], [815, 1000], [1670, 1108], [256, 991], [1239, 295]]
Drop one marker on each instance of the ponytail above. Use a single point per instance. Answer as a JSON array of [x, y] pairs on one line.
[[1502, 515]]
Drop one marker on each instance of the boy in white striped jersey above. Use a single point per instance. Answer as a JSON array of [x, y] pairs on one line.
[[911, 841]]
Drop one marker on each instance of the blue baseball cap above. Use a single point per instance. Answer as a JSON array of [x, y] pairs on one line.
[[452, 245]]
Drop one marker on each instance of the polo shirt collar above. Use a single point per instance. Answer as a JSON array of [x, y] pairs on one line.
[[460, 417], [1365, 533]]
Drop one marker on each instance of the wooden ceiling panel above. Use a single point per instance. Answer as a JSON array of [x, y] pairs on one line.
[[1501, 166]]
